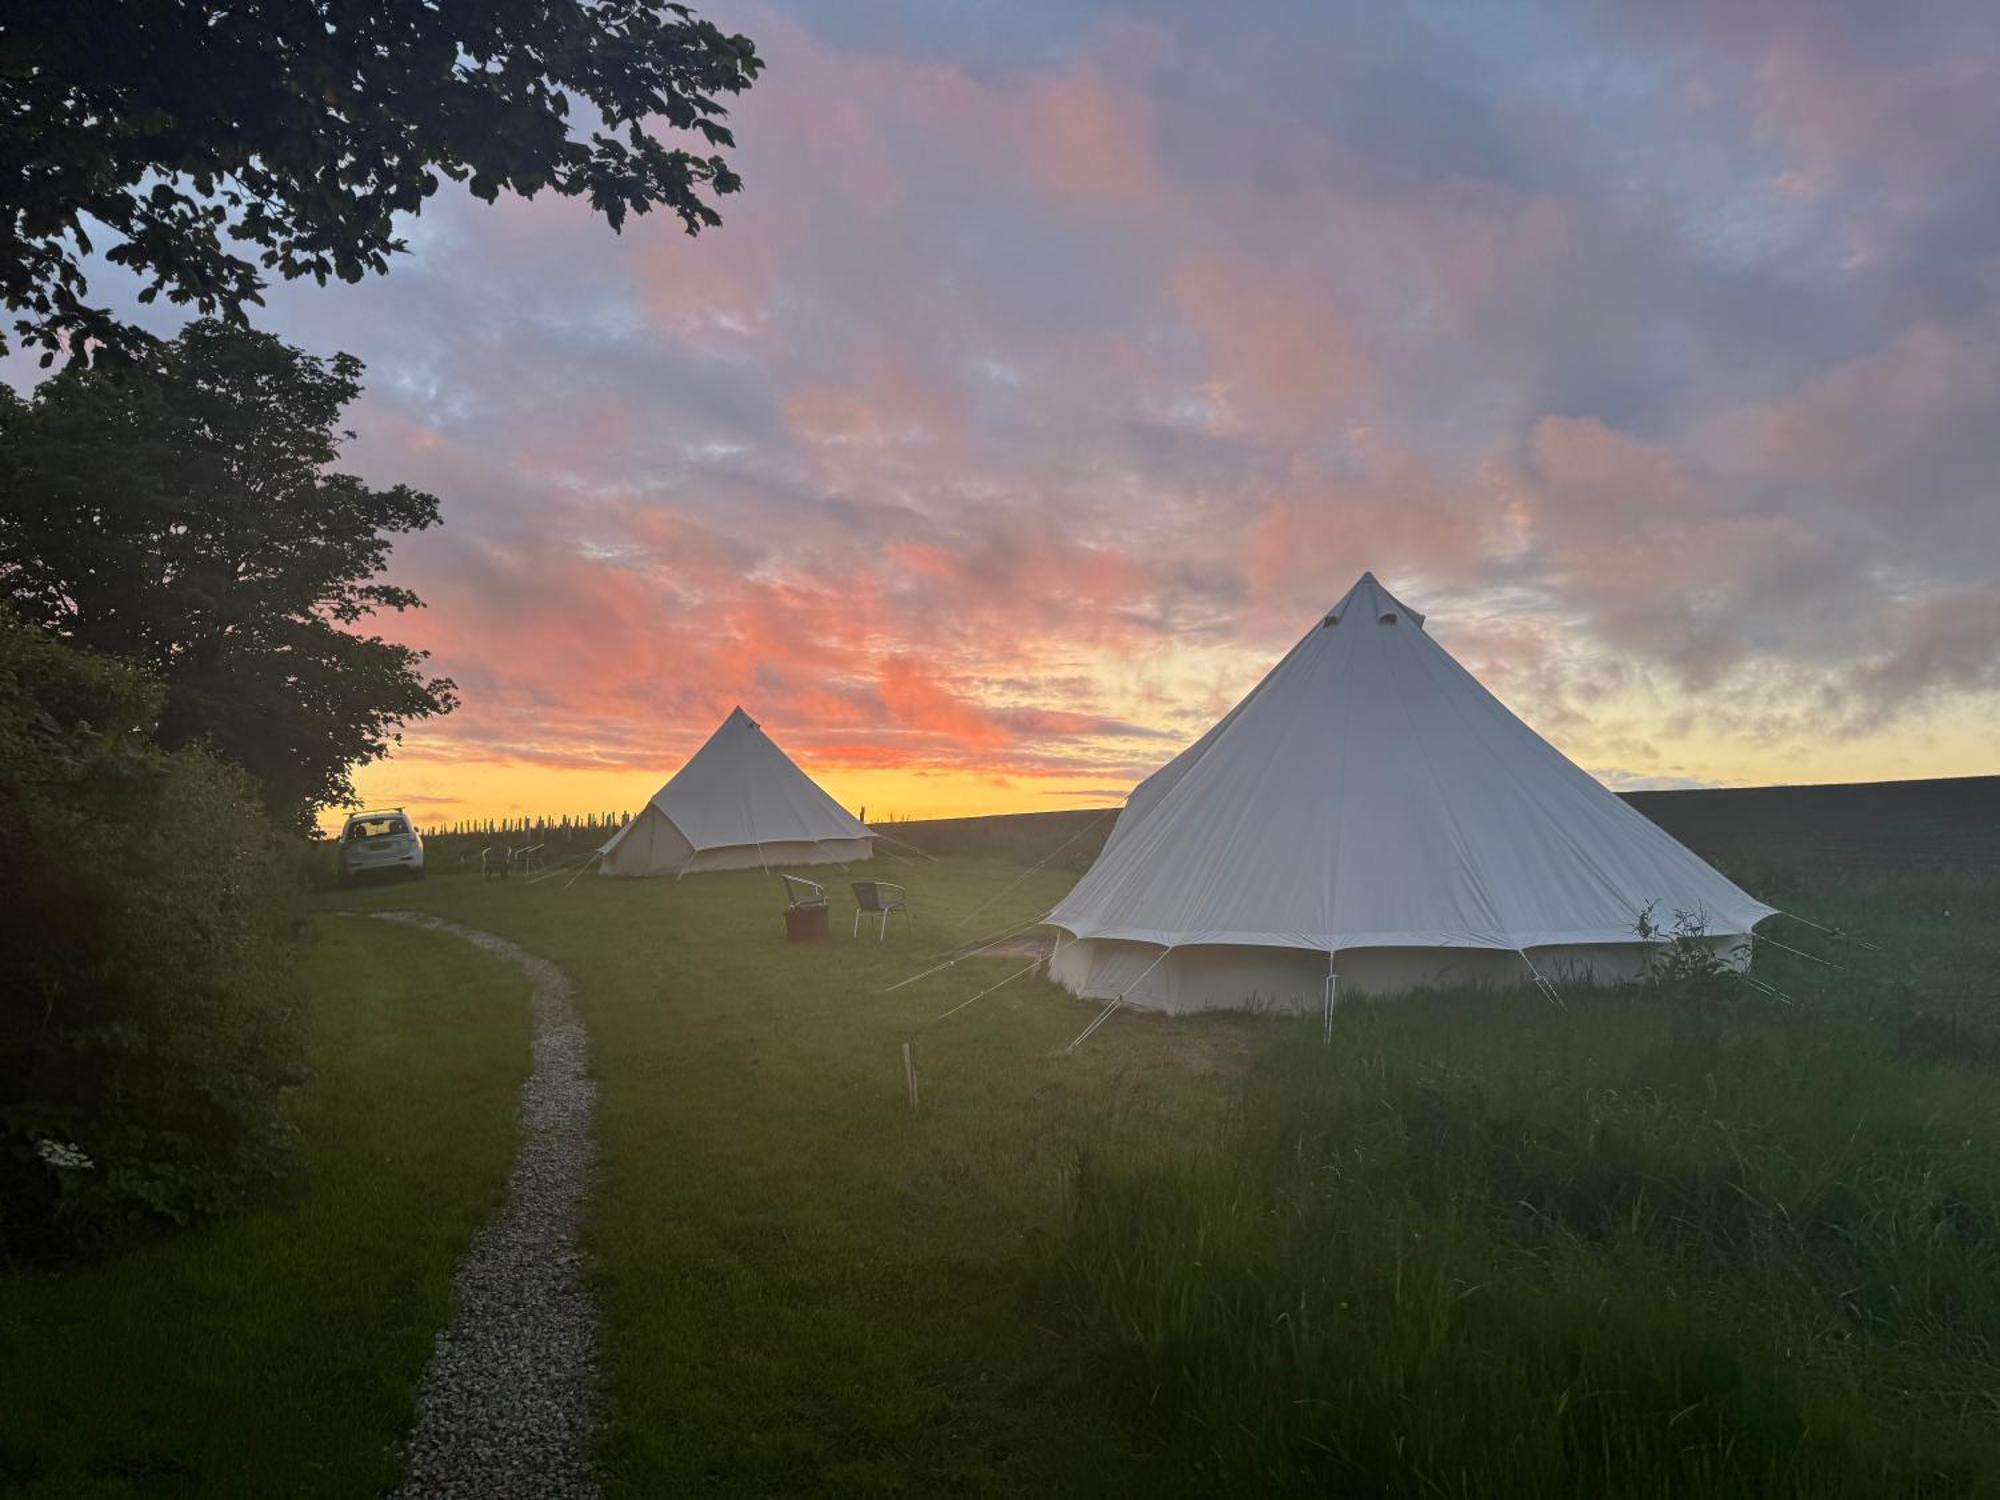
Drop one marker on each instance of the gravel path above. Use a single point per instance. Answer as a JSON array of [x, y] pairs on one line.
[[511, 1403]]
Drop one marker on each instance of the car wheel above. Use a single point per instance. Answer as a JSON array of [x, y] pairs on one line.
[[417, 873]]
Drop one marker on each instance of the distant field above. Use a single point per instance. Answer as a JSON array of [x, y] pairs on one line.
[[1901, 828], [1894, 828]]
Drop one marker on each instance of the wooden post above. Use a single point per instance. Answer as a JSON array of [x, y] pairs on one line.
[[910, 1076]]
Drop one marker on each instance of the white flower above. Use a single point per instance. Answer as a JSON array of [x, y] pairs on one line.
[[66, 1156]]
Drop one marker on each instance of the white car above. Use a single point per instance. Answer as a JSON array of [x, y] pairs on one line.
[[378, 842]]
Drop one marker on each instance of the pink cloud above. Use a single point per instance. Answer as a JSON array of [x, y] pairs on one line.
[[1089, 139], [1837, 421], [1274, 346]]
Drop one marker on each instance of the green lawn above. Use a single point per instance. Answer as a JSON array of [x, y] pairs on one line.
[[1476, 1246], [278, 1353], [1479, 1245], [805, 1288]]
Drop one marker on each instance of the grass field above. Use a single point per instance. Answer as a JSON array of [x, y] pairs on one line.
[[1610, 1248], [1477, 1246], [806, 1288], [278, 1354]]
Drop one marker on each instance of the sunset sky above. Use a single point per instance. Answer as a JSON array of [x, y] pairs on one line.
[[1061, 362]]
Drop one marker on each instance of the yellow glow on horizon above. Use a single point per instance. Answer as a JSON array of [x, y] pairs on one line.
[[444, 791]]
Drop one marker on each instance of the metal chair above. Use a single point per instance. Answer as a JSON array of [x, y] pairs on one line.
[[873, 896], [528, 859], [802, 894], [493, 863]]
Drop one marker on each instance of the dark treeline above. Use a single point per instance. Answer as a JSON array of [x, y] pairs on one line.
[[553, 827]]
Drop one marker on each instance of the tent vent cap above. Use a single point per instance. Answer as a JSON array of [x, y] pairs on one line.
[[1388, 617]]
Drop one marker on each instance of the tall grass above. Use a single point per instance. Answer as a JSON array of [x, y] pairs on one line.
[[1483, 1245]]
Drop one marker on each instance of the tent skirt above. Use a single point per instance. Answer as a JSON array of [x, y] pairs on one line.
[[1228, 977], [653, 846]]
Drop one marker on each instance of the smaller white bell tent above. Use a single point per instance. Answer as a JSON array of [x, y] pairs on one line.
[[1372, 813], [738, 804]]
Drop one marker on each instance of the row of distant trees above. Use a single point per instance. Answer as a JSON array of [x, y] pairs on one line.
[[552, 827]]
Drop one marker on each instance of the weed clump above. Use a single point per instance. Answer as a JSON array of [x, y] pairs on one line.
[[1687, 967]]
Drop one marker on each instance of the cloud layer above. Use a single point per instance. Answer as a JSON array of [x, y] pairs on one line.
[[1060, 362]]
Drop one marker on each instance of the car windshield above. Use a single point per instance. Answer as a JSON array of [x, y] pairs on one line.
[[375, 828]]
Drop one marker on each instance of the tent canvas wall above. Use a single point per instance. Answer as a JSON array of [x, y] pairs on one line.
[[739, 803], [1370, 811]]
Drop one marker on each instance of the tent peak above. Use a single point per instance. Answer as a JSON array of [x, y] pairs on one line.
[[738, 713], [1368, 599]]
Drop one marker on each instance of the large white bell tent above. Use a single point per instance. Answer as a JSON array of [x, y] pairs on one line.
[[737, 804], [1370, 812]]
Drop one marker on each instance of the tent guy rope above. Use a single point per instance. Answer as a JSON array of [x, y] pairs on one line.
[[1015, 883], [959, 958], [985, 992]]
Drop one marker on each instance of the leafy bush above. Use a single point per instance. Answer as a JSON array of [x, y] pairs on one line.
[[147, 1023], [1685, 964]]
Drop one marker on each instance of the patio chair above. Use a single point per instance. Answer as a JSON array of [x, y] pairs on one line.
[[493, 864], [528, 859], [805, 909], [802, 894], [879, 896]]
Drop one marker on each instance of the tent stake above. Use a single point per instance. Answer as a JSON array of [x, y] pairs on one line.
[[1772, 990], [1548, 990], [910, 1076], [1102, 1016]]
